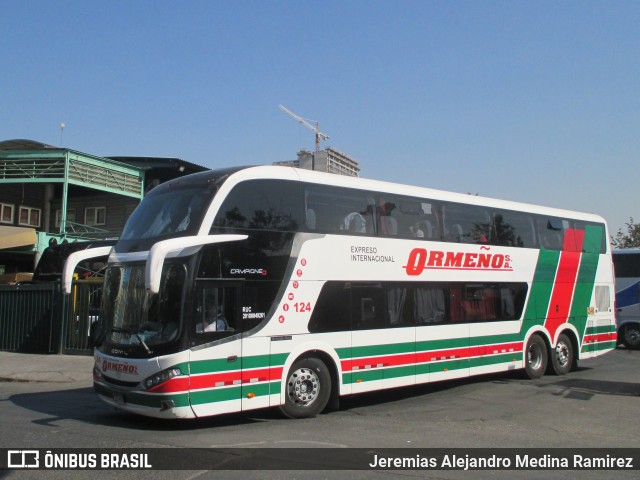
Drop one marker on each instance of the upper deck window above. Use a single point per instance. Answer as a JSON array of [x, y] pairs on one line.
[[262, 205], [332, 209]]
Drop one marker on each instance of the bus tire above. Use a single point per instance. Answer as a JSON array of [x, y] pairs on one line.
[[631, 336], [562, 357], [307, 389], [535, 357]]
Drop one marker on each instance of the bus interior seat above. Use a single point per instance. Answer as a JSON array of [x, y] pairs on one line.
[[389, 225], [427, 229], [354, 222], [455, 233]]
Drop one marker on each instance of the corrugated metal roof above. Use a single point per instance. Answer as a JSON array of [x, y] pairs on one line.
[[23, 144]]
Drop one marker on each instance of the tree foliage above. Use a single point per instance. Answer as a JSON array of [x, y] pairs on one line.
[[630, 239]]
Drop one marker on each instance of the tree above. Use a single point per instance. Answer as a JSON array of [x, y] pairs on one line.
[[630, 239]]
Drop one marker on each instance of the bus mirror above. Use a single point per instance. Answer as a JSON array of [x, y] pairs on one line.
[[74, 259]]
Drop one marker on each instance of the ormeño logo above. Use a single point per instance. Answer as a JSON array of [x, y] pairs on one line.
[[23, 459], [420, 259]]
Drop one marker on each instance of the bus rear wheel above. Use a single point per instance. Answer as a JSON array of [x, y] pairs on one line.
[[308, 389], [535, 360], [562, 358]]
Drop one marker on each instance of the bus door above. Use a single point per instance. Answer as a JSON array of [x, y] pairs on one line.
[[215, 381], [601, 323]]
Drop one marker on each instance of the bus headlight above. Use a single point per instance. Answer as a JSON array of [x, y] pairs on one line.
[[160, 377]]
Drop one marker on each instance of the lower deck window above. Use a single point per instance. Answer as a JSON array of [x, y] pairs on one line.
[[370, 305]]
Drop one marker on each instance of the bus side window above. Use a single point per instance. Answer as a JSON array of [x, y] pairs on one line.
[[262, 205], [429, 304], [332, 311], [466, 224], [368, 307], [514, 229], [551, 233], [339, 210], [216, 310]]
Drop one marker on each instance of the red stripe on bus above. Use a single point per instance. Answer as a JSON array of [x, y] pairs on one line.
[[262, 374], [215, 380], [429, 356], [601, 337], [565, 281], [177, 384], [198, 382]]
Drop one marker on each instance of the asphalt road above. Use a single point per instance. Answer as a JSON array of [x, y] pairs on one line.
[[596, 406]]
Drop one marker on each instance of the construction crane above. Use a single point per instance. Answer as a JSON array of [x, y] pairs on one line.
[[303, 121]]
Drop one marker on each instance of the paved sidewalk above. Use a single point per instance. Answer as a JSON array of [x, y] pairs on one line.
[[45, 368]]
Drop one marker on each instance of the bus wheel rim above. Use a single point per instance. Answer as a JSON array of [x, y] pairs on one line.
[[534, 356], [304, 386], [562, 354]]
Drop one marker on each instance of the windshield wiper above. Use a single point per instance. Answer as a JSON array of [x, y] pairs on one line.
[[131, 331], [121, 330], [143, 344]]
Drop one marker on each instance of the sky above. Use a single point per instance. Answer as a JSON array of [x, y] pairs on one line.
[[537, 102]]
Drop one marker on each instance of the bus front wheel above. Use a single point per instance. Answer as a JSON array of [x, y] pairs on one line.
[[535, 357], [308, 389]]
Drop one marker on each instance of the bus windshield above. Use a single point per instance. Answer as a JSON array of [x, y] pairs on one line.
[[135, 320], [177, 211], [627, 263], [173, 209]]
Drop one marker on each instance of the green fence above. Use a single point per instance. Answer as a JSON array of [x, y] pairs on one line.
[[39, 318], [81, 310], [28, 315]]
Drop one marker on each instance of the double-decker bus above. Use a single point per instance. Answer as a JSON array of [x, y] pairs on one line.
[[626, 264], [246, 288]]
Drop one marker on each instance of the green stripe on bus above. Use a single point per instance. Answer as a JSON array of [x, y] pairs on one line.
[[495, 339], [586, 277], [343, 353], [374, 350], [593, 236], [601, 329], [215, 365], [231, 393], [596, 347], [432, 367], [223, 365], [426, 346], [494, 359], [429, 345], [541, 288]]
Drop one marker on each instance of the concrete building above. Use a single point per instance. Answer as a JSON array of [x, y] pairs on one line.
[[328, 160]]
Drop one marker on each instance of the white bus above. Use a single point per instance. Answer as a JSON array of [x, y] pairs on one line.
[[247, 288], [626, 263]]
